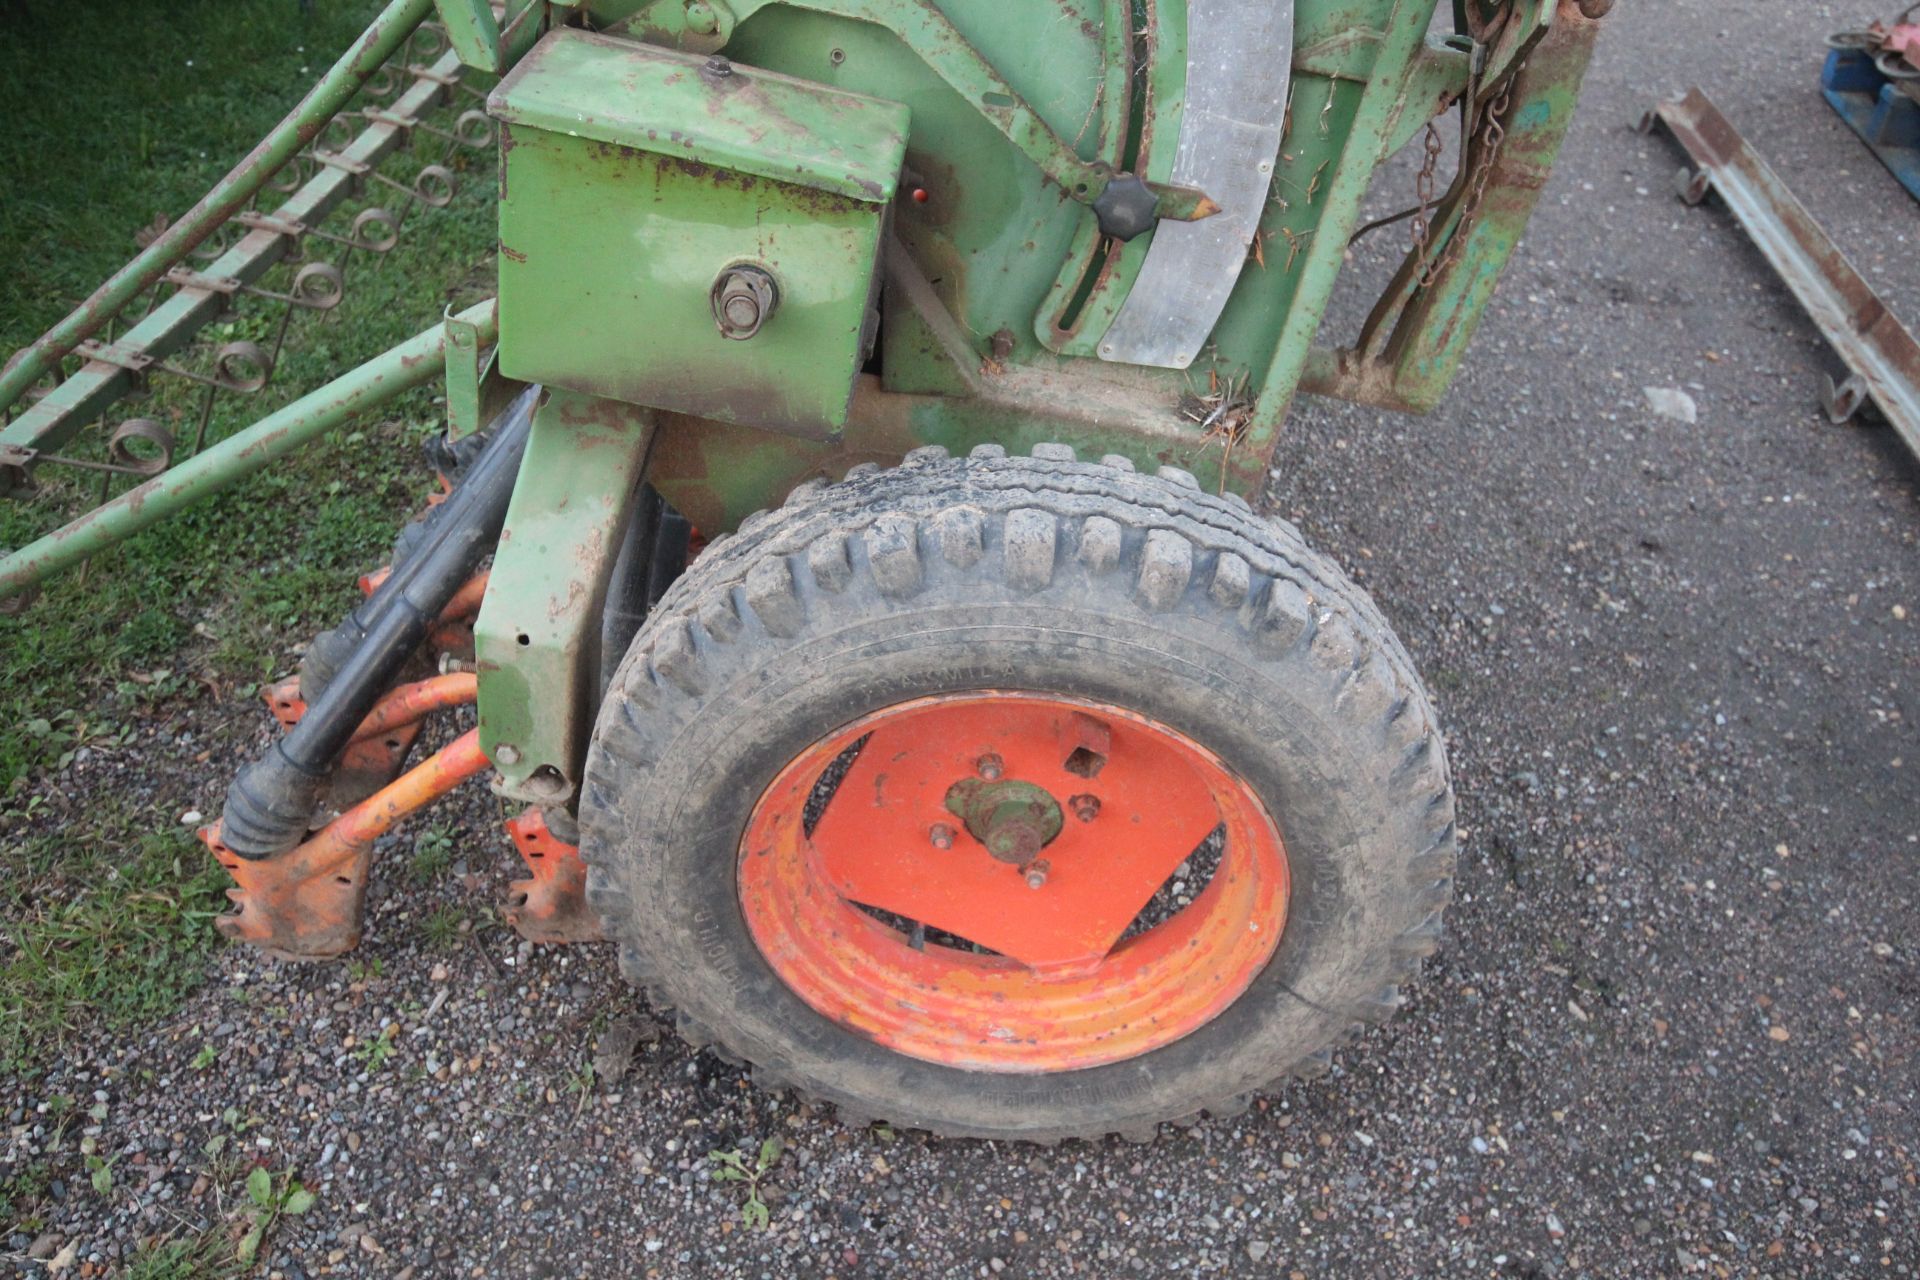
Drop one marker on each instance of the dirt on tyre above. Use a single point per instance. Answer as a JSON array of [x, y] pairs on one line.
[[1018, 798]]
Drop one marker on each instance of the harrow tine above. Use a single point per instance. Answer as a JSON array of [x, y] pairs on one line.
[[145, 334], [471, 129], [123, 459], [296, 232]]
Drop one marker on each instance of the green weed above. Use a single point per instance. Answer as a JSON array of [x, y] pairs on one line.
[[272, 1197], [445, 927], [747, 1170], [432, 855]]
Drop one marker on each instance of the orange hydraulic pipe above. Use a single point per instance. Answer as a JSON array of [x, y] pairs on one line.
[[466, 601], [418, 787], [410, 702]]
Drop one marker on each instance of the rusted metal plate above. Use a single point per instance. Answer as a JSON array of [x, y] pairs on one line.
[[550, 905], [1870, 338]]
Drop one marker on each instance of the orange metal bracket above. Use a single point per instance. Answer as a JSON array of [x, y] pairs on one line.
[[307, 904], [381, 743], [551, 906]]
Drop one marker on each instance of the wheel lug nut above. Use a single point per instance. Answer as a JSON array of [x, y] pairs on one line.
[[1085, 808], [1037, 874], [989, 766], [941, 835]]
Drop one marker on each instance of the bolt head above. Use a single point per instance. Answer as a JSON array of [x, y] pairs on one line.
[[990, 766], [1085, 808], [744, 298], [1037, 875], [941, 836], [506, 754]]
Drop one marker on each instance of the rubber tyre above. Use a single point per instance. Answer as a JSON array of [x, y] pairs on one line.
[[1054, 576]]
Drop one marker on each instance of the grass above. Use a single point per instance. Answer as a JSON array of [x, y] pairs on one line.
[[206, 1255], [108, 939], [111, 121]]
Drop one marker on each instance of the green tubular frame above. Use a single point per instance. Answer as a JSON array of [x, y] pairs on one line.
[[413, 363], [388, 32], [970, 356]]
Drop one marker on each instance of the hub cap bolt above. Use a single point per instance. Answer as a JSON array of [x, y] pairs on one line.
[[1085, 808], [1037, 874], [990, 766], [941, 835]]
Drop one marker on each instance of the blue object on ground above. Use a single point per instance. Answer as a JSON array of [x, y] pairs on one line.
[[1886, 119]]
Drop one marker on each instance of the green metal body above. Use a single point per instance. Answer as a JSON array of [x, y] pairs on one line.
[[537, 641], [958, 144], [694, 173]]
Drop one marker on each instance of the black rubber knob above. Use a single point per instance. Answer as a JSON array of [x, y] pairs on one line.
[[1125, 208]]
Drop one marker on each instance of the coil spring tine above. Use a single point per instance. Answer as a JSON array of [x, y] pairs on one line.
[[123, 460], [382, 83]]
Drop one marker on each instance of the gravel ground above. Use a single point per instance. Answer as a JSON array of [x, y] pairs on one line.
[[1673, 1032]]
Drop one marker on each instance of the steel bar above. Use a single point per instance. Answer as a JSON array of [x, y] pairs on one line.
[[537, 639], [56, 417], [1868, 336], [1325, 253], [413, 363], [410, 703], [301, 126]]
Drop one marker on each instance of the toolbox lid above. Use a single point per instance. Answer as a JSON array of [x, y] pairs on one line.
[[707, 110]]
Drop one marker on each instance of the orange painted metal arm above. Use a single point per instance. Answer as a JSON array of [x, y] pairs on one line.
[[408, 703], [373, 817], [465, 602]]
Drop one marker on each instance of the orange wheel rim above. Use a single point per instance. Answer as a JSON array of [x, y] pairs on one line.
[[927, 844]]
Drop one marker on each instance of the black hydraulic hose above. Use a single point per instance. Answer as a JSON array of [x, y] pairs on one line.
[[629, 589], [652, 554], [270, 803], [331, 650]]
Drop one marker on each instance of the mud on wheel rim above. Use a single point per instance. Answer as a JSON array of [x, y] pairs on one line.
[[1037, 827]]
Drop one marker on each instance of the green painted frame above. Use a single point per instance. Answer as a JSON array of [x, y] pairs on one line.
[[1366, 79]]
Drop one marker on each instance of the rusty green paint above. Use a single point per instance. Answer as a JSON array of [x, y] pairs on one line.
[[1077, 332], [1001, 98], [1417, 338], [951, 47], [464, 374], [536, 641], [474, 33], [693, 171]]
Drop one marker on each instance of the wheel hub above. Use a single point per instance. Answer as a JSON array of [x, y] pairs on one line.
[[1014, 819], [861, 882]]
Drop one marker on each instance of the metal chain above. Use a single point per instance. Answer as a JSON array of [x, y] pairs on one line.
[[1423, 187], [1493, 132]]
